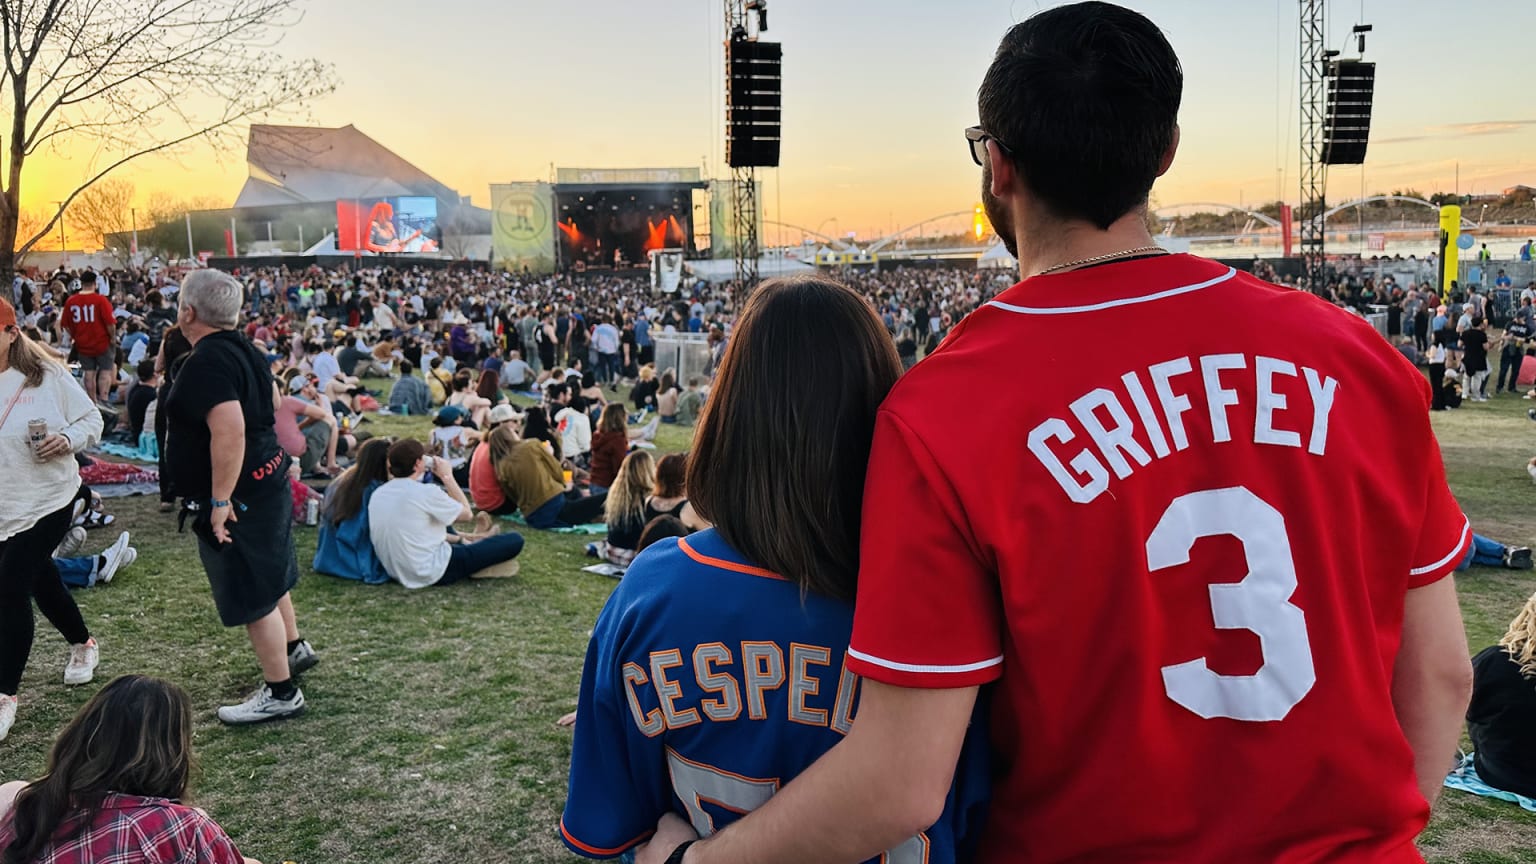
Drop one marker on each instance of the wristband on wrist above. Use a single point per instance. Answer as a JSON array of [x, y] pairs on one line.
[[677, 854], [214, 503]]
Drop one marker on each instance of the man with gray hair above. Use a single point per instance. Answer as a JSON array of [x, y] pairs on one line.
[[223, 453]]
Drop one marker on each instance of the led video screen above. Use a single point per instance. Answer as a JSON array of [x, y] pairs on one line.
[[388, 225]]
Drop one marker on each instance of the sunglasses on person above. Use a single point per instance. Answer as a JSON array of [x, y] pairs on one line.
[[976, 140]]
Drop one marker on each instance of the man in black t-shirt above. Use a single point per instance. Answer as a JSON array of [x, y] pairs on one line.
[[1474, 358], [140, 398], [1516, 332], [223, 454]]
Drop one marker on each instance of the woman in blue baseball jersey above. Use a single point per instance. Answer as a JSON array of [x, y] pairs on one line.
[[716, 671]]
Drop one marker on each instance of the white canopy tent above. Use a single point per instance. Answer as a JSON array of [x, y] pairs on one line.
[[724, 269]]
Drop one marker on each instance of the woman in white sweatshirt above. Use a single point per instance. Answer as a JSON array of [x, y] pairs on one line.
[[41, 483]]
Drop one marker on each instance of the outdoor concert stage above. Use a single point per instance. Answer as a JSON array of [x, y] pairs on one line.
[[610, 219]]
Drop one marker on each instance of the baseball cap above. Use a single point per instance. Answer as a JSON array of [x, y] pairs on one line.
[[298, 383], [450, 415], [7, 313], [502, 413]]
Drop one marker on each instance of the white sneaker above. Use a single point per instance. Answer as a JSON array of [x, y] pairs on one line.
[[116, 557], [70, 544], [261, 707], [82, 663], [7, 715]]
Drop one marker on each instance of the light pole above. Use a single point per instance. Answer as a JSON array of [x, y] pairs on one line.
[[63, 248]]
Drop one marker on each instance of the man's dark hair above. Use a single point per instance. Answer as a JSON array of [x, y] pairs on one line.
[[403, 456], [146, 370], [406, 368], [1086, 100], [87, 279]]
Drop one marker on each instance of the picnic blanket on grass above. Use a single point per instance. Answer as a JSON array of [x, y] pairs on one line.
[[591, 528], [1465, 778]]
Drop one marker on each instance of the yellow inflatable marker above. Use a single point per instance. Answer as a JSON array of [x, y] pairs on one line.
[[1450, 229]]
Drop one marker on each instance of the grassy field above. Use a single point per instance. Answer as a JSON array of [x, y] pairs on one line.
[[431, 736]]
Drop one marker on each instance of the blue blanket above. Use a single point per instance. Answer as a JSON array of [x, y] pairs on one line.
[[1465, 778], [594, 528], [123, 451]]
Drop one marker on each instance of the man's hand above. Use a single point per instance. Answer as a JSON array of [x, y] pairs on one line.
[[671, 832], [442, 469], [218, 519], [53, 447]]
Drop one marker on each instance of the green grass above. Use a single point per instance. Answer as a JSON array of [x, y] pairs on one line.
[[431, 736]]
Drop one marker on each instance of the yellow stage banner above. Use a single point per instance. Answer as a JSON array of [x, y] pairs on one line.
[[523, 226]]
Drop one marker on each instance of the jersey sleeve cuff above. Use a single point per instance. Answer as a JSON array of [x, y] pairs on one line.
[[587, 850], [1429, 574], [924, 676]]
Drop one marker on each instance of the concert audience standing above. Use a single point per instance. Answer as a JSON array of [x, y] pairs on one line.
[[43, 483], [233, 476]]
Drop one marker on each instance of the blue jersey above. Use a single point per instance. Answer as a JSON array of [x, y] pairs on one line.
[[709, 683]]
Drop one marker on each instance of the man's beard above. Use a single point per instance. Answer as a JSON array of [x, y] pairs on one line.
[[997, 214]]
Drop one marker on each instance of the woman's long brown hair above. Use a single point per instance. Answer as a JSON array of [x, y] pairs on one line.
[[779, 457], [371, 465], [133, 738]]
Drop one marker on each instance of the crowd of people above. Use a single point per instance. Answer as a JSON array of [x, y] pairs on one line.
[[852, 626]]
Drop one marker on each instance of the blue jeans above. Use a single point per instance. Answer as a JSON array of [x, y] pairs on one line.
[[607, 368], [467, 559], [1484, 553], [560, 512], [77, 572]]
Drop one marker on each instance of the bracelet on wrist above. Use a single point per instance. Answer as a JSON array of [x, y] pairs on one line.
[[214, 503], [677, 854]]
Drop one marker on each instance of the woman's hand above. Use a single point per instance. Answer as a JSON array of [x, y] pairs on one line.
[[54, 446], [218, 519]]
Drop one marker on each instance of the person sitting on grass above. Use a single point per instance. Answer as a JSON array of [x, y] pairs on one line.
[[464, 396], [308, 431], [609, 446], [91, 570], [439, 382], [670, 497], [624, 509], [666, 398], [690, 403], [345, 545], [409, 519], [1501, 720], [575, 431], [530, 475], [116, 788], [409, 394], [496, 446]]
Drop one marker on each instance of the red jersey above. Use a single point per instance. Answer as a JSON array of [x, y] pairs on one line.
[[89, 319], [1175, 520]]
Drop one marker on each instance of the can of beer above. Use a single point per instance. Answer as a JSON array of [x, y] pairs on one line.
[[311, 512], [37, 431]]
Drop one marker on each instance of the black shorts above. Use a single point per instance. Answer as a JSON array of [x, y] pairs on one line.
[[251, 574]]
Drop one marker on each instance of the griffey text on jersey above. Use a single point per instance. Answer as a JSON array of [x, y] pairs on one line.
[[1113, 431]]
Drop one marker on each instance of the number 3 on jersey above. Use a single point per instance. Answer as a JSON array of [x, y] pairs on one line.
[[1260, 603]]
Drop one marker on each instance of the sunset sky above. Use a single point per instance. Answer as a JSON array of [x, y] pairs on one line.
[[875, 97]]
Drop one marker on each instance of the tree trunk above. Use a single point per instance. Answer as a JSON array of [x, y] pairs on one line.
[[8, 221]]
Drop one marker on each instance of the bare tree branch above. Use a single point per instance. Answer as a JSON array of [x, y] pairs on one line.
[[134, 78]]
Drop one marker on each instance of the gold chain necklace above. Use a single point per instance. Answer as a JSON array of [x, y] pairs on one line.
[[1098, 259]]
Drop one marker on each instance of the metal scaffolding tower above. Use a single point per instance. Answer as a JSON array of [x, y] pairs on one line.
[[742, 25], [1314, 174]]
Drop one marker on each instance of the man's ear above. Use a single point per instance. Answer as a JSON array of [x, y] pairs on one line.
[[1173, 149], [1003, 172]]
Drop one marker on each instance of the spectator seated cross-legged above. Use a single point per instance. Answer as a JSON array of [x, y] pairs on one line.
[[530, 475], [345, 546], [409, 518], [409, 394], [116, 787], [309, 431], [1501, 720]]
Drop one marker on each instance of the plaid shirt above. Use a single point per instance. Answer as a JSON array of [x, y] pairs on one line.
[[133, 830]]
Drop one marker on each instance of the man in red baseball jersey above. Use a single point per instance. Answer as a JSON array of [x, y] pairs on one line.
[[88, 316], [1216, 612]]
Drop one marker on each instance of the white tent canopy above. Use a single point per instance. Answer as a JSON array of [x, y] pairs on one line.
[[724, 269]]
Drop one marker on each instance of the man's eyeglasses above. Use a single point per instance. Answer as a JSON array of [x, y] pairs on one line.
[[976, 138]]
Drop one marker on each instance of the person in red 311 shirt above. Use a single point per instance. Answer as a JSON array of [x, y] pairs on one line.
[[1216, 617], [89, 319]]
